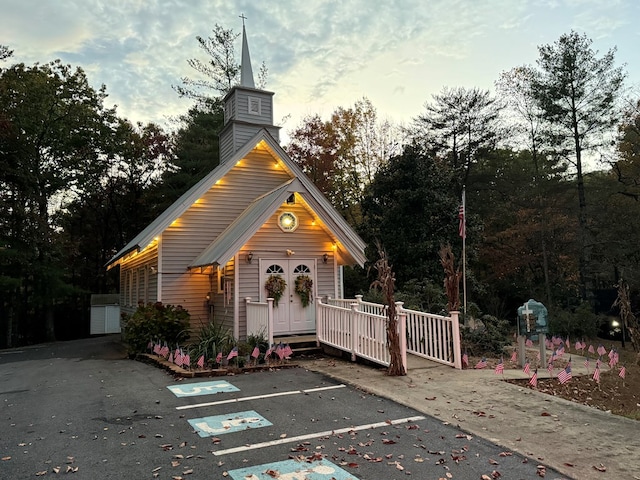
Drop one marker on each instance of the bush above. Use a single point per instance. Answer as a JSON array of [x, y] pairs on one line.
[[581, 322], [155, 322], [213, 338], [489, 338]]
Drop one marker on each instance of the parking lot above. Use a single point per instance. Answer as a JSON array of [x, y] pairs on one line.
[[80, 407]]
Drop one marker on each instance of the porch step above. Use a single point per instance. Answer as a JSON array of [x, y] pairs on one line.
[[300, 344]]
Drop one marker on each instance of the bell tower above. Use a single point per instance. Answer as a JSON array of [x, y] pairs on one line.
[[247, 109]]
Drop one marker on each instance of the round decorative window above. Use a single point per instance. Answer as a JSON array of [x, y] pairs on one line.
[[287, 222]]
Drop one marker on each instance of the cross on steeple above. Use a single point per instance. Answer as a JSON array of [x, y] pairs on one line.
[[243, 18]]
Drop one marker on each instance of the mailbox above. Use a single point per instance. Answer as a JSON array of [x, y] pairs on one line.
[[532, 319]]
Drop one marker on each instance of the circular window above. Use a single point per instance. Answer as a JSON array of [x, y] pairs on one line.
[[287, 222]]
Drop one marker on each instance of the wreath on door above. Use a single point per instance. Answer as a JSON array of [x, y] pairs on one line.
[[275, 286], [304, 288]]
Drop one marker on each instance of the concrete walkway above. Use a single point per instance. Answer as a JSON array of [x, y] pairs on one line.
[[567, 436]]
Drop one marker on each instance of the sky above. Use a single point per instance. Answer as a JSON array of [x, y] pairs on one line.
[[320, 54]]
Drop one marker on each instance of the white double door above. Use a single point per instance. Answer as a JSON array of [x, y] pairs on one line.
[[290, 316]]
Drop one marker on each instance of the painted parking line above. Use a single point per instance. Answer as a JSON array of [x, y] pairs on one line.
[[202, 388], [259, 397], [292, 470], [310, 436], [233, 422]]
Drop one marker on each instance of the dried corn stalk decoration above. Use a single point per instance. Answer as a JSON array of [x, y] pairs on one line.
[[386, 283], [451, 278]]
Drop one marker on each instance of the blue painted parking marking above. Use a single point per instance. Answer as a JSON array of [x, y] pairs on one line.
[[202, 388], [292, 470], [232, 422]]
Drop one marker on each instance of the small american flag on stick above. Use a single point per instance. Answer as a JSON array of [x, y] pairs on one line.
[[596, 374], [533, 381], [623, 372], [499, 368], [200, 362], [565, 374], [482, 363]]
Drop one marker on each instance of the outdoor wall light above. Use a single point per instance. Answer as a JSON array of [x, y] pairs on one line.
[[325, 258], [249, 257]]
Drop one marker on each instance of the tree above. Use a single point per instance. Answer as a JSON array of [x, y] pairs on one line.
[[53, 128], [5, 52], [578, 94], [195, 152], [220, 72], [411, 208], [343, 154], [458, 125]]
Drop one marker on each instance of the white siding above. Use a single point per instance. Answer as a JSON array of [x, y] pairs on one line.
[[184, 240], [137, 282], [307, 241]]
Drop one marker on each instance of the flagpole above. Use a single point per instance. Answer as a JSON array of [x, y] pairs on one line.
[[464, 258]]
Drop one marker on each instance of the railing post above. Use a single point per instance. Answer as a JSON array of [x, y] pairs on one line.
[[455, 327], [319, 320], [402, 327], [353, 329], [359, 299], [270, 320]]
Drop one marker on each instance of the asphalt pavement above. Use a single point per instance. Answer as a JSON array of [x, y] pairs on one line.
[[82, 408], [578, 441]]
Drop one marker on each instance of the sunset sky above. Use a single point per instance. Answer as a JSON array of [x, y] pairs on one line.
[[320, 54]]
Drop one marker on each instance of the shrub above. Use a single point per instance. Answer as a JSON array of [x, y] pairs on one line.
[[155, 321], [579, 323], [489, 338], [213, 338]]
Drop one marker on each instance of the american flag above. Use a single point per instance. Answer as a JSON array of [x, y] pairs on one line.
[[565, 374], [256, 352], [601, 350], [598, 362], [156, 349], [528, 343], [591, 350], [550, 368], [465, 359], [596, 374], [280, 351], [499, 368], [170, 357], [269, 352], [481, 364], [164, 351], [623, 372], [219, 357], [200, 362], [527, 368], [533, 381], [586, 364], [178, 359], [233, 353], [514, 357], [186, 360], [287, 350]]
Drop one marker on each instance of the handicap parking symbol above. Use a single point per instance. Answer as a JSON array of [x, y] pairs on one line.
[[202, 388], [292, 470], [233, 422]]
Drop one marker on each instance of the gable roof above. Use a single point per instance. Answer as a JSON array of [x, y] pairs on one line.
[[258, 209]]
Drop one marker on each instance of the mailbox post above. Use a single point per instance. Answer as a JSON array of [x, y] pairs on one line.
[[532, 323]]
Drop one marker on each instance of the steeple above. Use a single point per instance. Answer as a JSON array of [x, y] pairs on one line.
[[246, 73], [247, 109]]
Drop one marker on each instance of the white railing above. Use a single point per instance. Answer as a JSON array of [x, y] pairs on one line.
[[435, 337], [367, 307], [361, 330], [260, 318], [360, 327], [361, 333]]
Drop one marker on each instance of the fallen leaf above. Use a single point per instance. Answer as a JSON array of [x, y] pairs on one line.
[[4, 459], [600, 467], [39, 474], [493, 462], [429, 398], [273, 473]]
